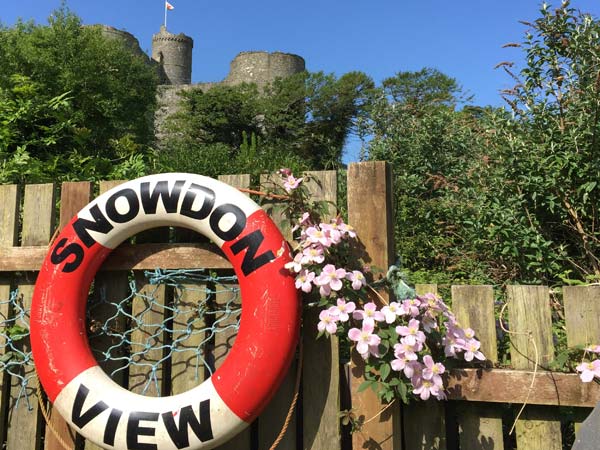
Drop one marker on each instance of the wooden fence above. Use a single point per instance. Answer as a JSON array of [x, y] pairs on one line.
[[483, 402]]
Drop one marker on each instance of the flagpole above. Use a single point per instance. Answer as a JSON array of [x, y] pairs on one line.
[[165, 14]]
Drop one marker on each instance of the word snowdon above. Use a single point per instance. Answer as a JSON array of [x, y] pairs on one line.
[[103, 222]]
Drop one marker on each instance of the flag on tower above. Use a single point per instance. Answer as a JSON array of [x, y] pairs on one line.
[[169, 6]]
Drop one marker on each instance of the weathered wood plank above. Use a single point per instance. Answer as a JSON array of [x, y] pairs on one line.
[[582, 313], [73, 197], [275, 208], [582, 310], [512, 386], [320, 373], [529, 317], [5, 311], [370, 213], [145, 376], [127, 257], [240, 181], [38, 214], [38, 226], [9, 215], [187, 362], [474, 308], [480, 426], [425, 422], [271, 421], [9, 220]]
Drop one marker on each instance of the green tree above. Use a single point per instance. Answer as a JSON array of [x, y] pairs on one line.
[[433, 149], [503, 195], [110, 93], [301, 122], [546, 158]]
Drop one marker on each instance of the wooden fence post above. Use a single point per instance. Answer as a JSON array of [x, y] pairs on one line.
[[25, 426], [530, 318], [10, 203], [480, 424], [370, 213], [582, 310], [320, 374]]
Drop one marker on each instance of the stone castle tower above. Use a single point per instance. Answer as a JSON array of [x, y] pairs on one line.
[[173, 53], [172, 56], [262, 67]]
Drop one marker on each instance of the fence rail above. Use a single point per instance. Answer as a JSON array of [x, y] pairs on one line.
[[483, 401]]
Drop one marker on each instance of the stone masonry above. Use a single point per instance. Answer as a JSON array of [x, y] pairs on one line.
[[172, 55]]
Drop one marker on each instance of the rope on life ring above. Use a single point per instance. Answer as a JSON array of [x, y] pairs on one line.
[[219, 408]]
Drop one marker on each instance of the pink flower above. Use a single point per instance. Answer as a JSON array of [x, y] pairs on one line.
[[411, 307], [593, 349], [453, 341], [342, 310], [428, 322], [425, 388], [408, 347], [312, 254], [403, 362], [357, 278], [469, 333], [399, 363], [369, 314], [391, 312], [412, 330], [433, 303], [433, 370], [472, 350], [325, 290], [413, 371], [296, 264], [332, 277], [285, 172], [292, 183], [327, 323], [304, 281], [331, 232], [342, 227], [304, 220], [366, 341], [315, 235], [589, 370]]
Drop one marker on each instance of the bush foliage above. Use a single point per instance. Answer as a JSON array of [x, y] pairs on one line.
[[502, 194], [75, 105]]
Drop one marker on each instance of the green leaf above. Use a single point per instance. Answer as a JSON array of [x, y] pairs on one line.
[[384, 371], [365, 385]]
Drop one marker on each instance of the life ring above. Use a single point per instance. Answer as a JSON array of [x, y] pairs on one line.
[[220, 407]]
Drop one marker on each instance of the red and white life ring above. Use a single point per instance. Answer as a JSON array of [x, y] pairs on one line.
[[221, 406]]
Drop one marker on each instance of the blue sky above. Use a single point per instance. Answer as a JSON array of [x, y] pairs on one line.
[[380, 37]]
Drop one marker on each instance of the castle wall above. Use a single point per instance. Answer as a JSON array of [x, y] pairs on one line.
[[127, 38], [262, 67], [169, 102]]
